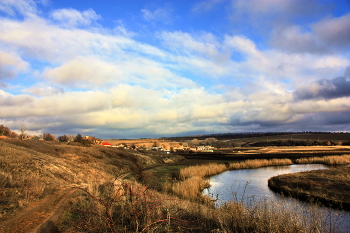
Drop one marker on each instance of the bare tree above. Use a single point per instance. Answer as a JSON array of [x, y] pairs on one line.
[[70, 138], [195, 142], [23, 134], [48, 137], [4, 131]]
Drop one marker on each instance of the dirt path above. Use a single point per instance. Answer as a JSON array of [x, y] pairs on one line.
[[40, 216]]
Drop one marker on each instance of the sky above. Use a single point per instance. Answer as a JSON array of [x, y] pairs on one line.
[[139, 68]]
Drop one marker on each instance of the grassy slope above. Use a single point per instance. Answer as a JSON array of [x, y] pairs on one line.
[[29, 170]]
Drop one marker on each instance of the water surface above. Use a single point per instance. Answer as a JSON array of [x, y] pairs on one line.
[[250, 185]]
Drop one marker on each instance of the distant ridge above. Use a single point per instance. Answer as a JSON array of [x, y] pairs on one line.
[[223, 136]]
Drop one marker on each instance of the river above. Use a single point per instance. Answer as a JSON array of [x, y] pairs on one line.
[[250, 185]]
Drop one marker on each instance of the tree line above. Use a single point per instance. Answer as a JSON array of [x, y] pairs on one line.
[[7, 132]]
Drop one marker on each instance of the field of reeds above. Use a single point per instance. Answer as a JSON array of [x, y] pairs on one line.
[[329, 160]]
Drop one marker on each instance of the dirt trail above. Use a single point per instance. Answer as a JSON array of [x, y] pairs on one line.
[[39, 217]]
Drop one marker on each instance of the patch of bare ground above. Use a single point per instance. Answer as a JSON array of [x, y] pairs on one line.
[[329, 187], [40, 216]]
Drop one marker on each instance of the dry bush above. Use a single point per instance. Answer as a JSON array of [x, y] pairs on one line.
[[124, 206]]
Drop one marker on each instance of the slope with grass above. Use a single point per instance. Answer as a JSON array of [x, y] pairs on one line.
[[33, 170]]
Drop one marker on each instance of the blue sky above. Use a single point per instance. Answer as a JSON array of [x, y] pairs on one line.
[[131, 69]]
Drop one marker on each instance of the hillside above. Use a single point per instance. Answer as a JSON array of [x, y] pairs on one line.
[[30, 170]]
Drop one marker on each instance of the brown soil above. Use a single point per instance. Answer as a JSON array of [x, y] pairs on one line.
[[40, 216]]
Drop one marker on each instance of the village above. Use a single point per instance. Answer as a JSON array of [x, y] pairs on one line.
[[158, 145]]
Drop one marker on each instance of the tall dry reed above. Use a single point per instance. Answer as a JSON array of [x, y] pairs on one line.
[[265, 216], [329, 160], [255, 163], [190, 188], [202, 170]]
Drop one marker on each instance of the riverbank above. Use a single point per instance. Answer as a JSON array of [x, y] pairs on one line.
[[329, 187]]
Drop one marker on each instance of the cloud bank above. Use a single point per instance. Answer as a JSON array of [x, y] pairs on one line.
[[62, 71]]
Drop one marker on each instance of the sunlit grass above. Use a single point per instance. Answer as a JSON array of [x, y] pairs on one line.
[[329, 160]]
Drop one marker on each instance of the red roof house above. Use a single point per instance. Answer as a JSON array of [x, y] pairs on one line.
[[106, 144]]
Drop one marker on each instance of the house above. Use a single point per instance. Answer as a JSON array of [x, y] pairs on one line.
[[106, 144]]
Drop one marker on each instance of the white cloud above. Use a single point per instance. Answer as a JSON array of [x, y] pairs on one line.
[[68, 103], [317, 106], [83, 72], [73, 18], [160, 14], [205, 43], [35, 38], [23, 7], [42, 89], [10, 65], [142, 88]]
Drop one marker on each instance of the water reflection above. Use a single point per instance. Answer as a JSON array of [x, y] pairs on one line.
[[250, 185]]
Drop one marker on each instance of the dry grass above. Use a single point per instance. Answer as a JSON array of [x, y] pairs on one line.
[[29, 170], [138, 209], [190, 188], [128, 207], [249, 164], [202, 170], [271, 217], [329, 160]]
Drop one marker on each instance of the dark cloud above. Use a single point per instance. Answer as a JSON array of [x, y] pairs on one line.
[[325, 36], [266, 16], [326, 89], [3, 85], [19, 100], [326, 121], [5, 72], [334, 31], [322, 121], [336, 118]]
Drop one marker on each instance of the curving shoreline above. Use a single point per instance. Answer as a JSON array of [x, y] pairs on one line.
[[330, 187]]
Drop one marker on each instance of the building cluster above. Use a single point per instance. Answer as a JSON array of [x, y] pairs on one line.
[[166, 148]]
